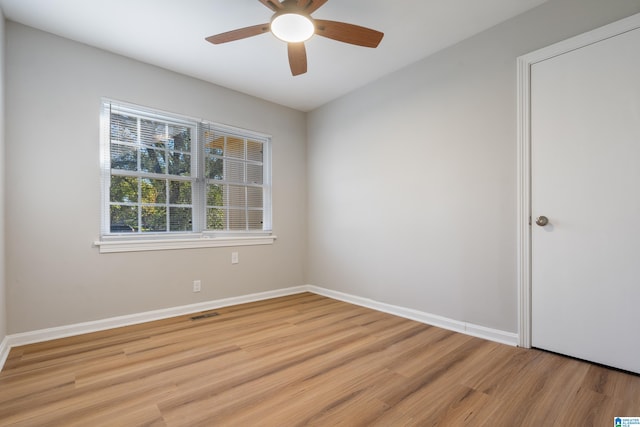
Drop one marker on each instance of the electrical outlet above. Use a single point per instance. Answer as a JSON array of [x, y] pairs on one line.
[[234, 258], [196, 285]]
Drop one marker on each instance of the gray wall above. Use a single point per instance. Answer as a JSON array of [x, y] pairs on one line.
[[54, 275], [3, 304], [412, 179]]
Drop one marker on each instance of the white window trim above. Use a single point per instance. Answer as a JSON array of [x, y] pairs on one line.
[[153, 243], [114, 243]]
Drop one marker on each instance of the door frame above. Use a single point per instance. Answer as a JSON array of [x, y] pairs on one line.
[[523, 153]]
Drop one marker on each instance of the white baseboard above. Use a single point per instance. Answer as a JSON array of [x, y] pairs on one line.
[[4, 351], [490, 334], [42, 335]]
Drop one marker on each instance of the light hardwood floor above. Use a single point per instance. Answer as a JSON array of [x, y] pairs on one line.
[[303, 360]]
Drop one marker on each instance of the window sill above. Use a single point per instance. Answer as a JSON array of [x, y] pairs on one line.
[[111, 246]]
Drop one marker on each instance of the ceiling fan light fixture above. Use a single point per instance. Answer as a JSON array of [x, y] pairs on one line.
[[292, 27], [292, 23]]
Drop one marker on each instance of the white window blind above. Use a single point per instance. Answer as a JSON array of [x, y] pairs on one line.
[[165, 174], [234, 171]]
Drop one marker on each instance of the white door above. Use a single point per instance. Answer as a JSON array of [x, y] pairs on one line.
[[585, 178]]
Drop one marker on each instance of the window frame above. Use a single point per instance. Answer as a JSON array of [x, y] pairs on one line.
[[200, 236]]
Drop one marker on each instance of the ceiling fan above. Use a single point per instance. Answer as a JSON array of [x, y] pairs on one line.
[[292, 23]]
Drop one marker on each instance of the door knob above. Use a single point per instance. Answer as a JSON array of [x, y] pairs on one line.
[[542, 220]]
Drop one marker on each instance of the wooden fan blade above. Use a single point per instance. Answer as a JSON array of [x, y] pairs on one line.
[[313, 5], [272, 4], [348, 33], [241, 33], [297, 58]]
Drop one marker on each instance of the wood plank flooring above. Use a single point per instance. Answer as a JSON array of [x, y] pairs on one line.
[[303, 360]]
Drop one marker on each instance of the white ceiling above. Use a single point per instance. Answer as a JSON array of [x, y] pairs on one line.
[[170, 34]]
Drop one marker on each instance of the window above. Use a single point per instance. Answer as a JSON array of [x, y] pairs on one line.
[[166, 176]]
